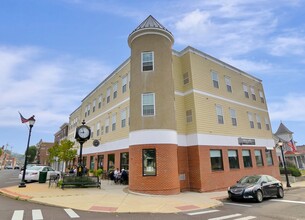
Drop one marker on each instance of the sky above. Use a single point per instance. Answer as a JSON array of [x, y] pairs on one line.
[[54, 52]]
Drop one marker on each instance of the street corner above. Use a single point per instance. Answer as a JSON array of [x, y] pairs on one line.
[[9, 193]]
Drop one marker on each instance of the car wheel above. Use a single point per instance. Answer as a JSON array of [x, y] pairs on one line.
[[280, 193], [259, 196]]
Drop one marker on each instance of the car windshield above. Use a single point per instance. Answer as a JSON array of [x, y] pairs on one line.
[[34, 168], [249, 179]]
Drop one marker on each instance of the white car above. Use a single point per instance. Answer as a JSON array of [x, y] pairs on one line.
[[32, 173]]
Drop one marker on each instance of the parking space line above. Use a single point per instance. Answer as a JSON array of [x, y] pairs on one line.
[[230, 203], [202, 212], [225, 217], [287, 201]]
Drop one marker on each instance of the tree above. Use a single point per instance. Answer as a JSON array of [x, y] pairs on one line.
[[1, 152], [63, 151], [31, 154]]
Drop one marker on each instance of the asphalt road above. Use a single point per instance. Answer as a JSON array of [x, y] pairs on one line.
[[292, 206]]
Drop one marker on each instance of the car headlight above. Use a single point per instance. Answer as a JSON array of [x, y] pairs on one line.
[[250, 189]]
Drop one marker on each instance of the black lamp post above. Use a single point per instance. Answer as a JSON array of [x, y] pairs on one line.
[[31, 123], [280, 144]]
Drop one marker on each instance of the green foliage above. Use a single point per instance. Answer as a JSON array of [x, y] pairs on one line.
[[31, 154], [291, 170], [294, 171], [99, 172], [64, 151], [1, 152]]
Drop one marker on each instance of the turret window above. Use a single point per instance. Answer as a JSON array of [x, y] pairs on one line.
[[148, 104], [147, 61]]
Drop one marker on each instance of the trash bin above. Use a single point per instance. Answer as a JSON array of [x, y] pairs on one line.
[[42, 177]]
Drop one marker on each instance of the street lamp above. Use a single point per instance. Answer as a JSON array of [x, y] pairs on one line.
[[280, 144], [31, 123]]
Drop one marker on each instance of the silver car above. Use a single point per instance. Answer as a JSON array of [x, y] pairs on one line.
[[32, 173]]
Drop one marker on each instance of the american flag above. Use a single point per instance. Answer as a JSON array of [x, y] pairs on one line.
[[291, 144], [24, 120]]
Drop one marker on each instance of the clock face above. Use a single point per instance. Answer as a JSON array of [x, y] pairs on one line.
[[83, 132]]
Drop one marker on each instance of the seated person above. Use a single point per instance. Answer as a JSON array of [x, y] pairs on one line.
[[117, 175], [124, 177]]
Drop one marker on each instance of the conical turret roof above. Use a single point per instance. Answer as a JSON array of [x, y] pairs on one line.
[[151, 25], [283, 130]]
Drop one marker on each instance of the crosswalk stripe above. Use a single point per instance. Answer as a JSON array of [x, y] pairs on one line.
[[246, 218], [203, 212], [225, 217], [71, 213], [37, 215], [18, 215], [288, 201]]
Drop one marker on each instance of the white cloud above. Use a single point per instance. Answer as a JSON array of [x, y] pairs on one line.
[[288, 108], [288, 45], [49, 87]]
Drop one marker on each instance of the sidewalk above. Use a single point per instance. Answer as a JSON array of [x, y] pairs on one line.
[[117, 198]]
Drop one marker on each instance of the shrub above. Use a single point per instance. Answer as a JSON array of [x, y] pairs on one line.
[[294, 171], [99, 172]]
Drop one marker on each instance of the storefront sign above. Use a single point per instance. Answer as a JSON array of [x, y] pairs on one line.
[[246, 141]]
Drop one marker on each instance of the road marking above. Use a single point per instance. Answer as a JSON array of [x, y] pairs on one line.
[[203, 212], [230, 203], [71, 213], [18, 215], [287, 201], [37, 215], [246, 218], [225, 217]]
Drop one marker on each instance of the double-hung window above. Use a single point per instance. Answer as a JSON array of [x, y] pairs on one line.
[[219, 114], [100, 101], [93, 107], [148, 104], [107, 125], [258, 121], [228, 83], [233, 117], [250, 117], [269, 157], [147, 61], [115, 90], [215, 79], [113, 122], [253, 93], [261, 95], [108, 94], [246, 92], [267, 124], [123, 118], [98, 129], [124, 84]]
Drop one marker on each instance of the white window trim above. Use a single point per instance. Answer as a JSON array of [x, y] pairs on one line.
[[154, 99], [153, 61]]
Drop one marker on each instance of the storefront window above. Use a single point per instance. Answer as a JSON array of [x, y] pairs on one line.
[[216, 160], [233, 159], [91, 162], [111, 162], [100, 161], [258, 158], [269, 157], [149, 162], [247, 158], [124, 161]]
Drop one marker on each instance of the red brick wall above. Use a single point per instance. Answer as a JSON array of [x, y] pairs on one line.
[[166, 181], [183, 168], [215, 180]]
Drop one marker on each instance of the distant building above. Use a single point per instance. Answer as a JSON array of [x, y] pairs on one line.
[[62, 134], [42, 154], [294, 155], [177, 120]]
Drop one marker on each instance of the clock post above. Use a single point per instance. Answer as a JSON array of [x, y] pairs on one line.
[[82, 134]]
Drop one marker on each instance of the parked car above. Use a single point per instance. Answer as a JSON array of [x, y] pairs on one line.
[[32, 173], [256, 187], [16, 167], [29, 166], [8, 167]]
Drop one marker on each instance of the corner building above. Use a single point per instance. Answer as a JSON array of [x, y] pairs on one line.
[[177, 121]]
